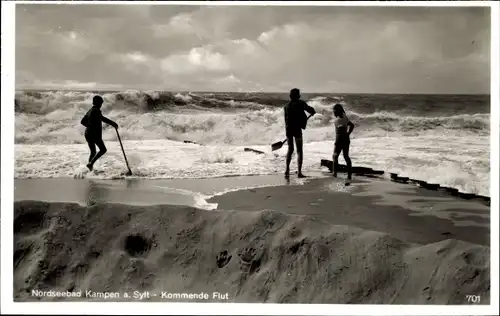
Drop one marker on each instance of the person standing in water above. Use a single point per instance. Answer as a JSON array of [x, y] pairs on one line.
[[93, 131], [295, 122], [343, 130]]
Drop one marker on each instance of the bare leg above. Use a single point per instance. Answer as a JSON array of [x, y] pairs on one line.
[[102, 151], [335, 159], [289, 155], [300, 155], [347, 161], [92, 151], [91, 144]]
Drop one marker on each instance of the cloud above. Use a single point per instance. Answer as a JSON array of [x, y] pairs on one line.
[[231, 80], [135, 58], [197, 59], [344, 49], [69, 84]]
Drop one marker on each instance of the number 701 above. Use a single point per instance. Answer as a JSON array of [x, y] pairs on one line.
[[473, 298]]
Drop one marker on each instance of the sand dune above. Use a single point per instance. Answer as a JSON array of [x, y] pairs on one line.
[[263, 256]]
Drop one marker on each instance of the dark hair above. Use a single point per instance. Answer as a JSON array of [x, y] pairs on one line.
[[295, 94], [97, 100], [338, 108]]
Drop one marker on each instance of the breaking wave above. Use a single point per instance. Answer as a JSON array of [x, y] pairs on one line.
[[53, 117]]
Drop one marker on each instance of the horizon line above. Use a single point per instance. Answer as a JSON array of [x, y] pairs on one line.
[[266, 92]]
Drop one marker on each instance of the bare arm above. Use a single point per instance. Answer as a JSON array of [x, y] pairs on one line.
[[108, 121], [286, 117], [350, 127], [309, 109]]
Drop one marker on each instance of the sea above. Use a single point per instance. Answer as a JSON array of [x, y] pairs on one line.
[[441, 139]]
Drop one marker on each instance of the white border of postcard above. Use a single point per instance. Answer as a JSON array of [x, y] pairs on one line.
[[7, 186]]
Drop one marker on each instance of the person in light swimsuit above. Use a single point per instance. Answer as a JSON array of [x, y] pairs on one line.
[[343, 130]]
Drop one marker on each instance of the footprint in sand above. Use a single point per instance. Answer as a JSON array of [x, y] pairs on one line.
[[247, 255], [223, 259], [250, 262]]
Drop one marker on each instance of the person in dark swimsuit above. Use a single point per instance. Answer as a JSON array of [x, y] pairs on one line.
[[295, 122], [343, 130], [93, 132]]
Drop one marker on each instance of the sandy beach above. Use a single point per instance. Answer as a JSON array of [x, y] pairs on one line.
[[321, 242]]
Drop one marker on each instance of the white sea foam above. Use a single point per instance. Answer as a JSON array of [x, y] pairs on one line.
[[456, 162]]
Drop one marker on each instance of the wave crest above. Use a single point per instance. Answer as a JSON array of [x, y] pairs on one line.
[[44, 102], [241, 119]]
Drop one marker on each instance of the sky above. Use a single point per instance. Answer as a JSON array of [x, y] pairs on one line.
[[253, 48]]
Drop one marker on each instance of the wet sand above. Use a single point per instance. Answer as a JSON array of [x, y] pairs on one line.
[[190, 192], [404, 211]]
